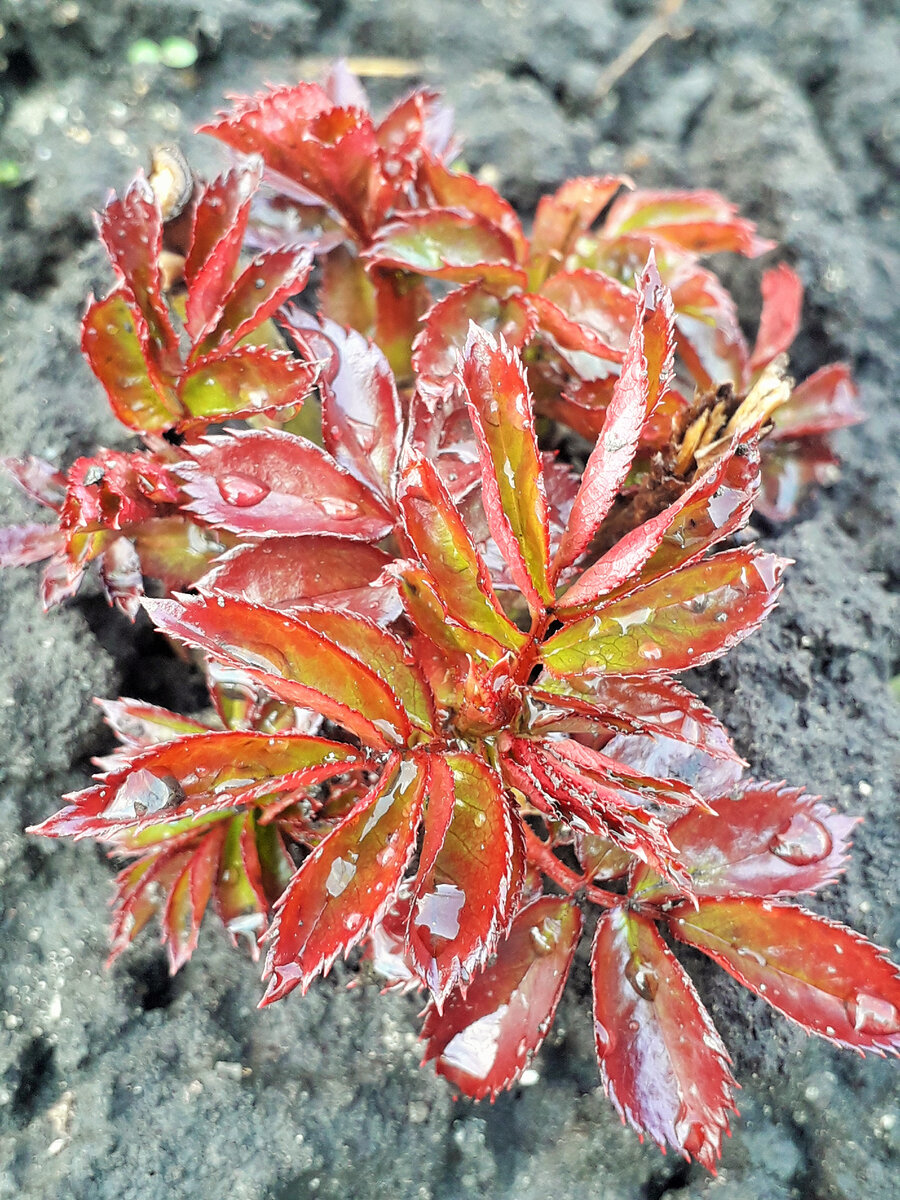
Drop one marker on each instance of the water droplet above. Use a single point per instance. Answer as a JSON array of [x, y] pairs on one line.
[[479, 819], [143, 792], [438, 911], [339, 877], [242, 491], [650, 650], [804, 841], [642, 978], [602, 1035], [873, 1015]]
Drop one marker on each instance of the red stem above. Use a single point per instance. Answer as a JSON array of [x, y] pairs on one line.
[[541, 855]]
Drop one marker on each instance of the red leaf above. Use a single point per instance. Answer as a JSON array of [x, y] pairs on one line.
[[189, 897], [789, 470], [562, 218], [361, 418], [562, 789], [21, 545], [710, 339], [444, 330], [593, 303], [717, 503], [825, 401], [448, 244], [703, 222], [139, 725], [782, 304], [305, 140], [272, 484], [455, 189], [141, 889], [114, 491], [511, 475], [771, 840], [115, 342], [217, 234], [348, 882], [250, 381], [201, 773], [437, 532], [611, 458], [383, 653], [482, 1042], [290, 659], [286, 572], [677, 621], [37, 479], [663, 1064], [661, 756], [827, 978], [258, 292], [470, 876], [641, 706], [131, 230]]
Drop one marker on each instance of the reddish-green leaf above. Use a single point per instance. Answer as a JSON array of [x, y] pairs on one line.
[[448, 244], [782, 303], [270, 279], [771, 841], [446, 326], [710, 339], [678, 621], [663, 1064], [190, 775], [717, 503], [114, 340], [217, 233], [247, 382], [827, 978], [131, 230], [444, 546], [470, 875], [189, 897], [286, 572], [598, 305], [611, 458], [383, 653], [139, 725], [239, 896], [824, 401], [120, 574], [703, 222], [272, 484], [348, 882], [484, 1040], [789, 469], [177, 551], [290, 659], [141, 889], [567, 214], [455, 189], [511, 476]]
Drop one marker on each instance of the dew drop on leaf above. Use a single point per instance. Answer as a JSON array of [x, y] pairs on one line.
[[642, 978], [873, 1015], [142, 793], [803, 842], [241, 491]]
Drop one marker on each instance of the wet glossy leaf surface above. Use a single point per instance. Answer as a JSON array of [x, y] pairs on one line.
[[470, 874], [678, 621], [348, 882], [827, 978], [270, 483], [483, 1041], [290, 659], [511, 478], [663, 1064]]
